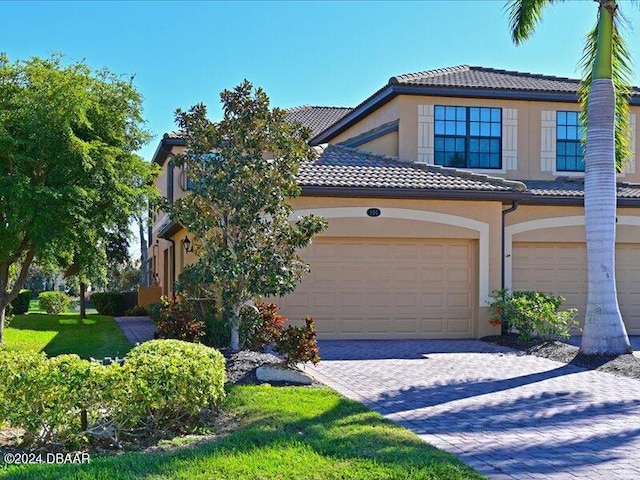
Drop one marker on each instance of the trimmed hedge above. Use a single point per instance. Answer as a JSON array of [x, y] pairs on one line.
[[20, 304], [108, 303], [54, 302], [163, 384]]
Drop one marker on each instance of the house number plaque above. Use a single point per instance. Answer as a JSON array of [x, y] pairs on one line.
[[373, 212]]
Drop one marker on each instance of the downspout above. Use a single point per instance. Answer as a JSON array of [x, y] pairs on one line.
[[505, 212], [173, 268]]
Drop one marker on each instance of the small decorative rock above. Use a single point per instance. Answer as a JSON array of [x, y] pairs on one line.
[[275, 373]]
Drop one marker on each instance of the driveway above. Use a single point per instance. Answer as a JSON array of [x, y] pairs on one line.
[[505, 414]]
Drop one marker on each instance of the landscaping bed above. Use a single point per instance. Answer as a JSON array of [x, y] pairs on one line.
[[622, 365]]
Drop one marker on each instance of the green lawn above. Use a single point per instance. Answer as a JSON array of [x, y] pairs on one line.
[[287, 433], [97, 336]]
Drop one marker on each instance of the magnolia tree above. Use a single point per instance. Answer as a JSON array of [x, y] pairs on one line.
[[67, 168], [244, 171]]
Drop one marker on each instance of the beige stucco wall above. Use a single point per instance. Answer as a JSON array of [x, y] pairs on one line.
[[529, 130], [387, 145], [385, 114]]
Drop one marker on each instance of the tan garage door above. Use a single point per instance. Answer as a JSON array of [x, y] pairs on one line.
[[562, 269], [387, 288]]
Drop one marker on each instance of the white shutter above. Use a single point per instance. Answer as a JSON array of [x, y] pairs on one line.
[[510, 138], [425, 134], [631, 165], [548, 141]]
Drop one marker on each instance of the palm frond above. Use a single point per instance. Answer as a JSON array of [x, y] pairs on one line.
[[621, 76], [524, 16]]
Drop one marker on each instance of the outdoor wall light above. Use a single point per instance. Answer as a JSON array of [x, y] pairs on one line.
[[187, 245]]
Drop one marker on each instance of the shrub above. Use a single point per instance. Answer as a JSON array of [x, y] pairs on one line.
[[162, 385], [532, 313], [260, 326], [177, 322], [43, 396], [170, 381], [20, 304], [54, 302], [154, 311], [136, 311], [299, 344], [108, 303], [217, 332]]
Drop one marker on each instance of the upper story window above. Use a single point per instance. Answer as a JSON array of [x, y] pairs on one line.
[[569, 153], [186, 182], [468, 137]]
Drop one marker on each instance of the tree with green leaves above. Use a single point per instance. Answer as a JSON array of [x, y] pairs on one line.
[[604, 93], [68, 135], [244, 171]]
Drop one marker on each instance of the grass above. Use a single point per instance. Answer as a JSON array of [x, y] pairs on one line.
[[96, 336], [285, 433]]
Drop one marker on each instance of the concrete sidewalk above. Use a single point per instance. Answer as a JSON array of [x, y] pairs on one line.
[[136, 329]]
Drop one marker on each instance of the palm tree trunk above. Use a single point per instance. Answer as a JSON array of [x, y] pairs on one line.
[[604, 331]]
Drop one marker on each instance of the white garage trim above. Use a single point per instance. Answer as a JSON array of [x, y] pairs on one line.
[[420, 216], [541, 224]]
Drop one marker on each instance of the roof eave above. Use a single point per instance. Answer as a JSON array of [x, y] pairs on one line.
[[164, 149], [377, 192]]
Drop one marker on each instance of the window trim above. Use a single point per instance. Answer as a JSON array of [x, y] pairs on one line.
[[467, 137]]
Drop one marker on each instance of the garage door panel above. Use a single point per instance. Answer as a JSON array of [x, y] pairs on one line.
[[562, 270], [387, 288]]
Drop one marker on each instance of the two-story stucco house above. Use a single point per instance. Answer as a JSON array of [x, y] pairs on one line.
[[439, 188]]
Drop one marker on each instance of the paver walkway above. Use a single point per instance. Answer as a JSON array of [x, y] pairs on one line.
[[136, 329], [508, 415]]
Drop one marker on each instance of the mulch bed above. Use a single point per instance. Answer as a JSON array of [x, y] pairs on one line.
[[626, 365], [241, 366]]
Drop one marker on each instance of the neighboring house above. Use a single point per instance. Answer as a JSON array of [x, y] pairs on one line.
[[439, 188]]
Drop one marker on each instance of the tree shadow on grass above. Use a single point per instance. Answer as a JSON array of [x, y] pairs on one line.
[[96, 336], [344, 440]]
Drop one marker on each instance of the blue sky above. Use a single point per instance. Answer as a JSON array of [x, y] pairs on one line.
[[319, 53]]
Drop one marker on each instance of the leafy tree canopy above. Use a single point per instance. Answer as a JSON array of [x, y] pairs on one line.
[[68, 172]]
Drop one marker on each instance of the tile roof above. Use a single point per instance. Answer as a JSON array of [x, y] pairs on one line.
[[563, 187], [316, 118], [339, 166], [491, 78]]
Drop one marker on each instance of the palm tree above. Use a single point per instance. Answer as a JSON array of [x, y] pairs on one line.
[[604, 93]]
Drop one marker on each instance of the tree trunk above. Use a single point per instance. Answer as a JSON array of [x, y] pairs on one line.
[[83, 306], [604, 331], [144, 255], [235, 329], [2, 315]]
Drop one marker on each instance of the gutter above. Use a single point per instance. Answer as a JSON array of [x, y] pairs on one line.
[[505, 212]]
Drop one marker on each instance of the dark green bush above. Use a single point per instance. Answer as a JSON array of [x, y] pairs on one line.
[[154, 311], [54, 302], [108, 303], [20, 304], [217, 332], [136, 311]]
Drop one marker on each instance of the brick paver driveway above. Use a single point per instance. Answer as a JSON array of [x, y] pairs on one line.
[[505, 414]]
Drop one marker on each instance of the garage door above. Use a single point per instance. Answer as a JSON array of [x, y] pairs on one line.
[[387, 288], [562, 269]]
